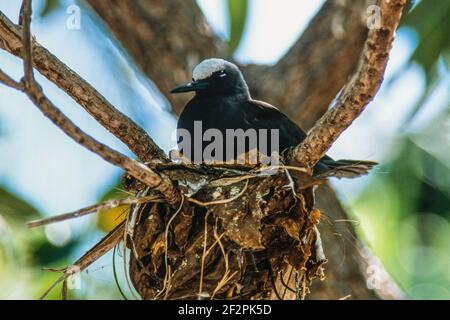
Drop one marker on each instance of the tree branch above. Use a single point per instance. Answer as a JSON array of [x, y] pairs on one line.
[[361, 89], [83, 93], [134, 168], [25, 20], [34, 92], [314, 70], [106, 205], [10, 82]]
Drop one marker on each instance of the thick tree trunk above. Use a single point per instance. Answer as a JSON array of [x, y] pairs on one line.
[[302, 84]]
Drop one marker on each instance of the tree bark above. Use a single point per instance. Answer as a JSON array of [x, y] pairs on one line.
[[82, 92], [314, 70]]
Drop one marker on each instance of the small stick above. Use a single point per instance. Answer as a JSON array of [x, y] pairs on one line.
[[110, 204]]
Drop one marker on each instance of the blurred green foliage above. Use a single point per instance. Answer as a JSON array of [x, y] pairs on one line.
[[237, 13], [48, 7], [405, 209], [109, 219], [430, 20], [14, 209], [405, 212]]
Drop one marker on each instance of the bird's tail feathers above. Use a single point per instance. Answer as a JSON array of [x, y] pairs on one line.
[[347, 168]]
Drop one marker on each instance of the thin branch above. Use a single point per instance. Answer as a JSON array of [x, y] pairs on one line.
[[359, 91], [307, 78], [134, 168], [106, 205], [102, 247], [25, 19], [10, 82], [82, 92]]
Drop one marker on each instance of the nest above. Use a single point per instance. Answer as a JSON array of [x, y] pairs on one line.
[[239, 233]]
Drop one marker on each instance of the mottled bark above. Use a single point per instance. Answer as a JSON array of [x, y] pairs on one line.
[[137, 140], [359, 91], [34, 92], [314, 70]]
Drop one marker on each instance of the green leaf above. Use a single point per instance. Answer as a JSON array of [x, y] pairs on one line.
[[431, 20], [237, 10], [15, 209], [43, 253], [49, 7]]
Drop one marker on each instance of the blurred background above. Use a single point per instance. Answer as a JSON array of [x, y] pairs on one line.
[[401, 210]]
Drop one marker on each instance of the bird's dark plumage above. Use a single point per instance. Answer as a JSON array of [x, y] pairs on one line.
[[223, 101]]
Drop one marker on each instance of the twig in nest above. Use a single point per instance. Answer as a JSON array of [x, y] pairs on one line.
[[125, 237], [106, 205], [167, 277], [206, 252], [270, 168], [288, 280], [274, 286], [105, 245], [116, 278], [285, 285], [297, 286], [202, 267], [226, 276]]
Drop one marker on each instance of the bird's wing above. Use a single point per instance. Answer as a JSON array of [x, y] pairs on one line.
[[261, 115]]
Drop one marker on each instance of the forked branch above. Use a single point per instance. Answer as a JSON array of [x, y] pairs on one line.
[[359, 91], [31, 88], [121, 126]]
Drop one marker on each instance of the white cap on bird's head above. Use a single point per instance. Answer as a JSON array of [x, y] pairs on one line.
[[215, 76], [208, 67]]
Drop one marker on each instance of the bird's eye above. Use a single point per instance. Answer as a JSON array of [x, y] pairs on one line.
[[222, 74]]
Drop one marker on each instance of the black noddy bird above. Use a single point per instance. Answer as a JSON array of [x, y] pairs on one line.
[[222, 101]]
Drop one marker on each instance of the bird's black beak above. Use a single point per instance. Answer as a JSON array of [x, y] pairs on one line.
[[192, 86]]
